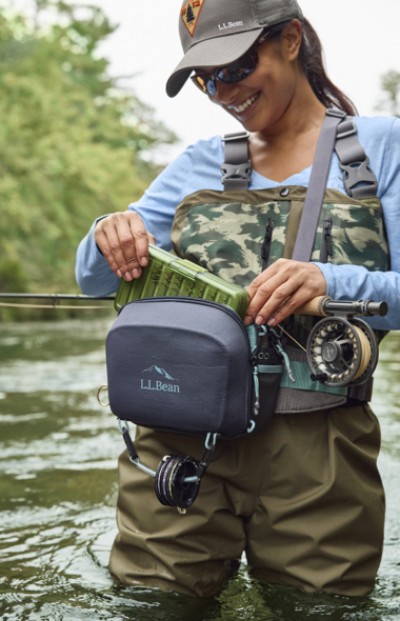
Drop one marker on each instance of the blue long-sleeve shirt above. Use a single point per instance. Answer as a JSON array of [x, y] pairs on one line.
[[199, 167]]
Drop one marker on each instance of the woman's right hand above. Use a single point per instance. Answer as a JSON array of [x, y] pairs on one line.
[[124, 243]]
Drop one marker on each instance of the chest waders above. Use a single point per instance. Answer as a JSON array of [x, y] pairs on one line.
[[237, 233]]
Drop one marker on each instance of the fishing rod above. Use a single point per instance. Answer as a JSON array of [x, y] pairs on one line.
[[53, 298]]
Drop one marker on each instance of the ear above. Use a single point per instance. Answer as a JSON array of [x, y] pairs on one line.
[[291, 38]]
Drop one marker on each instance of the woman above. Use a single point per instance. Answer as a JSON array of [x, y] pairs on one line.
[[302, 498]]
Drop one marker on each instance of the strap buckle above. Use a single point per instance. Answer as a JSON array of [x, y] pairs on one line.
[[236, 169], [360, 181], [236, 173]]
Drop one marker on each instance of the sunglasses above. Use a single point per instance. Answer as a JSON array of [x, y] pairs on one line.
[[232, 73]]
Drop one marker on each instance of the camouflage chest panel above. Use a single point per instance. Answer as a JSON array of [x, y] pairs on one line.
[[226, 232]]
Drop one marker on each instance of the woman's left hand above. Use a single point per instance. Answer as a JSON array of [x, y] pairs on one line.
[[281, 289]]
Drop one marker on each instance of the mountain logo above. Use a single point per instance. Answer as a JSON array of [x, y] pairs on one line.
[[160, 380], [156, 369]]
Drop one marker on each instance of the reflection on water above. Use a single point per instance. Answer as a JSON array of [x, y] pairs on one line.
[[58, 493]]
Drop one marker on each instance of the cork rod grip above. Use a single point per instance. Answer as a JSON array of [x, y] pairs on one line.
[[314, 307]]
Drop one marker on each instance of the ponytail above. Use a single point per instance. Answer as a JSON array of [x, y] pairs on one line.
[[311, 60]]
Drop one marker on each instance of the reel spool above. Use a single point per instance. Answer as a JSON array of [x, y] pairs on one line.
[[176, 481], [340, 352]]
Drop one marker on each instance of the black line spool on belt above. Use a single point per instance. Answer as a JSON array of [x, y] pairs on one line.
[[176, 481]]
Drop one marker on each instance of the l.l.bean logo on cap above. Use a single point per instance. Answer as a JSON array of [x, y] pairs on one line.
[[190, 14]]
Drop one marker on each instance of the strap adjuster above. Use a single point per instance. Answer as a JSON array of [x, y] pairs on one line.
[[346, 128], [336, 113], [235, 136]]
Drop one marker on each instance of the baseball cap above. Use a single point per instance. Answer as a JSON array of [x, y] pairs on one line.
[[215, 33]]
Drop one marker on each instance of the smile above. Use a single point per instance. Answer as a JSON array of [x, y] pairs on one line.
[[245, 105]]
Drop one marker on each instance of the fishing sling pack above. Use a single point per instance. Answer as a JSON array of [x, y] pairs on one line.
[[188, 365]]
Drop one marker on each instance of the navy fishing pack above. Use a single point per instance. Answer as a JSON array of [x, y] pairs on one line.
[[188, 365]]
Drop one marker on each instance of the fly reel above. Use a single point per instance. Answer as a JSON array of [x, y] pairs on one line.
[[342, 352]]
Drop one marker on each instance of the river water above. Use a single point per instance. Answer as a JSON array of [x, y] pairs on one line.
[[58, 492]]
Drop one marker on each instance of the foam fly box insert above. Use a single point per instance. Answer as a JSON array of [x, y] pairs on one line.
[[168, 275]]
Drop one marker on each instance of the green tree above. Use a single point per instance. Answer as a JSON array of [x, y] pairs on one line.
[[73, 145], [390, 83]]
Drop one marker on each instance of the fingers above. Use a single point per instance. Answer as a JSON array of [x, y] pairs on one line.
[[281, 289], [123, 240]]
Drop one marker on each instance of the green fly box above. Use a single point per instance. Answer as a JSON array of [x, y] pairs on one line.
[[168, 275]]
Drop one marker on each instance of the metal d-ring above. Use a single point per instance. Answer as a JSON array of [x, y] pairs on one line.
[[101, 389]]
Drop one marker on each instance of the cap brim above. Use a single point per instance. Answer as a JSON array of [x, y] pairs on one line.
[[216, 52]]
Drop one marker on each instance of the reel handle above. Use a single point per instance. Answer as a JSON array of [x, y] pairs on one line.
[[323, 306]]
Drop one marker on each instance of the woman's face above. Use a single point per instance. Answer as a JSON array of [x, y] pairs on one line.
[[261, 100]]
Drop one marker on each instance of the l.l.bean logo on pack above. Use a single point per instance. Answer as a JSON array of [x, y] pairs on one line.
[[157, 379], [190, 14]]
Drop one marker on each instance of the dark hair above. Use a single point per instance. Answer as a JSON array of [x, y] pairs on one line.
[[311, 60]]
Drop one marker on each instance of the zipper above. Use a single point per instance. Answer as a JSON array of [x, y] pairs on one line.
[[266, 245], [325, 250]]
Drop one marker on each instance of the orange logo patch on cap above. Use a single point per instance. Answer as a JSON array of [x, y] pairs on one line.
[[190, 14]]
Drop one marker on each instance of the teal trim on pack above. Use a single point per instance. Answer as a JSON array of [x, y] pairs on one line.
[[269, 368], [302, 374]]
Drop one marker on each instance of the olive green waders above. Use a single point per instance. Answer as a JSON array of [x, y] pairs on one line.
[[302, 499]]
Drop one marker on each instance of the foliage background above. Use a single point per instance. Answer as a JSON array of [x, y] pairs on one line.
[[73, 145]]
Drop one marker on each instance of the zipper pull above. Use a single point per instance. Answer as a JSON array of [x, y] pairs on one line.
[[326, 242], [266, 245], [256, 382], [284, 356]]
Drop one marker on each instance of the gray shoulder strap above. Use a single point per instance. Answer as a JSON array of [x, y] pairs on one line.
[[338, 132], [236, 169], [316, 188]]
